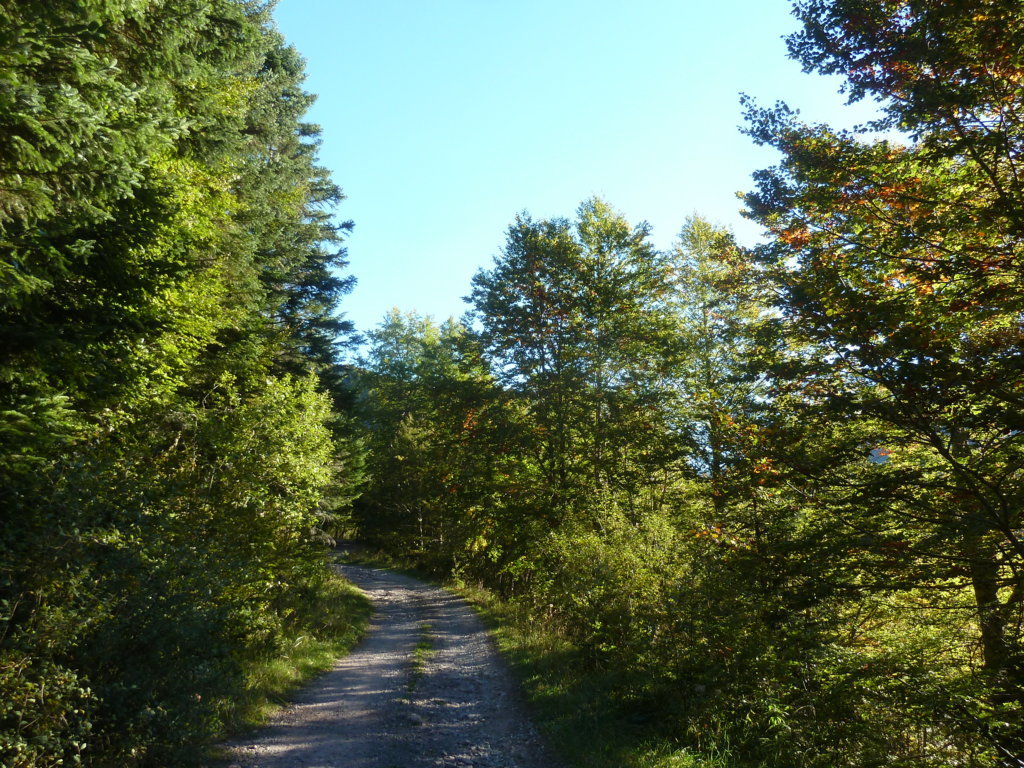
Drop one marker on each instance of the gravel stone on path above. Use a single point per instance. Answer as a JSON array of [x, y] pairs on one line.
[[375, 709]]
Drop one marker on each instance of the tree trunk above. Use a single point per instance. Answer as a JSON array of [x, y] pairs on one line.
[[1000, 665]]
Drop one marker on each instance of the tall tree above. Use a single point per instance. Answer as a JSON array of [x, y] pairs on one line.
[[161, 222], [719, 304], [900, 264], [574, 317]]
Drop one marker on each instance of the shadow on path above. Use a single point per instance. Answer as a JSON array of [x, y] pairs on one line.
[[461, 709]]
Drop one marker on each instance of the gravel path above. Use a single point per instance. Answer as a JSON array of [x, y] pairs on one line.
[[377, 708]]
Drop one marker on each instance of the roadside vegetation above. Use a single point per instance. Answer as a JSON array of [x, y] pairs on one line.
[[173, 443], [752, 506], [579, 708], [732, 506], [332, 618]]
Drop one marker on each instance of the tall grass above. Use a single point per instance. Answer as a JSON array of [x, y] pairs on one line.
[[330, 619], [580, 709]]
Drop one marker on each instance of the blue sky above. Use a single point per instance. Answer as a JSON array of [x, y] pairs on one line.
[[444, 118]]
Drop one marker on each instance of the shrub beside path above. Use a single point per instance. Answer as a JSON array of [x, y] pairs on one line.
[[425, 688]]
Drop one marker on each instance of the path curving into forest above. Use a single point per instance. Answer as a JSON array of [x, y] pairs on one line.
[[387, 705]]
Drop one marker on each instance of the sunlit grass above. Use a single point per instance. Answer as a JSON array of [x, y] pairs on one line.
[[333, 619], [421, 654], [583, 720]]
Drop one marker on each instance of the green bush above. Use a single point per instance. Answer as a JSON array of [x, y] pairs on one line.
[[607, 588]]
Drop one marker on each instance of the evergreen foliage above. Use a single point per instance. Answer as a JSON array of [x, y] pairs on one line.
[[167, 297], [767, 501]]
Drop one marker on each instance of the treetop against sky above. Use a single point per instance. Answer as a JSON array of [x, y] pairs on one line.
[[443, 120]]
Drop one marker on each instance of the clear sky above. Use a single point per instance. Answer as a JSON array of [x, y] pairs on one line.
[[444, 118]]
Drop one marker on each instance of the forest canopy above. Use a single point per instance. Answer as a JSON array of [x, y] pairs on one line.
[[769, 497], [170, 446]]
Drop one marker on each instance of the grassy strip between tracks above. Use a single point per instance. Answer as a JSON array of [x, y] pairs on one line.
[[587, 724]]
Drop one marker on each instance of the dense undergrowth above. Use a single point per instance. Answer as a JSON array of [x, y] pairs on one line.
[[766, 500], [587, 714], [330, 620], [172, 443]]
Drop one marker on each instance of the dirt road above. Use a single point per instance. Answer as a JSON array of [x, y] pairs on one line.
[[424, 688]]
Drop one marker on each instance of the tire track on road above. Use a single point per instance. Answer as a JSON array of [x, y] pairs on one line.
[[461, 709]]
